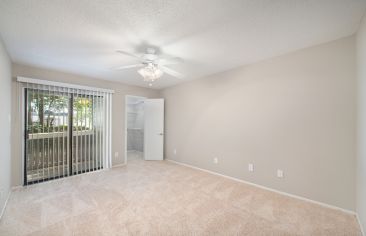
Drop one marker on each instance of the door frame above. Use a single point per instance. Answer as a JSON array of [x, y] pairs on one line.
[[125, 128]]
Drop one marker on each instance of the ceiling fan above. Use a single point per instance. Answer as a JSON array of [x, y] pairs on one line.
[[153, 66]]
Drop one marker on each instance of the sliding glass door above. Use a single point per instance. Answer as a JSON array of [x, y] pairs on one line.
[[87, 135], [64, 133]]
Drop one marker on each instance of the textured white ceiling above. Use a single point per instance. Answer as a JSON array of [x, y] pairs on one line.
[[81, 36]]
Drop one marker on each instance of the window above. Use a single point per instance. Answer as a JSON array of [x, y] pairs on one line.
[[67, 132]]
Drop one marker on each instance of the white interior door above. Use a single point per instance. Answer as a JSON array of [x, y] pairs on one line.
[[154, 129]]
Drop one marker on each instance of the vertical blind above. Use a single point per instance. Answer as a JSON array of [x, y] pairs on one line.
[[67, 129]]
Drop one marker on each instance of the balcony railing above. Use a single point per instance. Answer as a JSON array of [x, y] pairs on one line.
[[48, 154]]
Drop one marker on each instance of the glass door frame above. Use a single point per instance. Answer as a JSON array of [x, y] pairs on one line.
[[71, 133]]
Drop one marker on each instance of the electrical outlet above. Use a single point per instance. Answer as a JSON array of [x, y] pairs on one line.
[[116, 154], [250, 167], [280, 173], [216, 160], [175, 151]]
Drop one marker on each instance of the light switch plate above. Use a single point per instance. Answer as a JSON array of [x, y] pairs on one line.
[[216, 160]]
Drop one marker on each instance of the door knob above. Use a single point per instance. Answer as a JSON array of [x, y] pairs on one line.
[[161, 134]]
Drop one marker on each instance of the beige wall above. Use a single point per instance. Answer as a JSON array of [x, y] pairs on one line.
[[5, 124], [295, 112], [361, 147], [118, 116]]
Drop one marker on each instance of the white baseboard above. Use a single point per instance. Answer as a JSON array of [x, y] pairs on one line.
[[6, 203], [359, 222], [267, 188]]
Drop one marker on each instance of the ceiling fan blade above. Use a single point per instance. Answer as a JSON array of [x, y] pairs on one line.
[[170, 61], [172, 72], [127, 67], [129, 54]]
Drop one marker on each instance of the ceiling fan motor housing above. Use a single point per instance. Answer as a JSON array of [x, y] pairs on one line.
[[150, 55]]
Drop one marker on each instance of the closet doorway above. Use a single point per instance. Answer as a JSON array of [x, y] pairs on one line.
[[135, 119]]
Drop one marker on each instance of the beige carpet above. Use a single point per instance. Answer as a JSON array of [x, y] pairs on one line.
[[162, 198]]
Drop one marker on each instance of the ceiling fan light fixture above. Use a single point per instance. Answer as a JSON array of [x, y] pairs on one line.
[[150, 73], [152, 65]]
